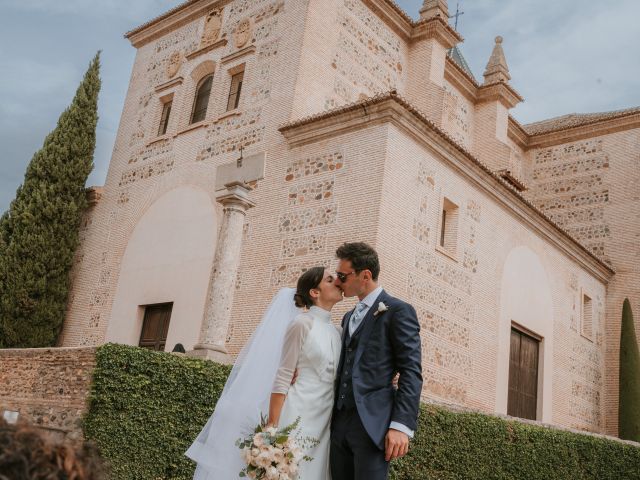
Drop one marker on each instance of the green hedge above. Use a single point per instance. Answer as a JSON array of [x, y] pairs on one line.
[[147, 407]]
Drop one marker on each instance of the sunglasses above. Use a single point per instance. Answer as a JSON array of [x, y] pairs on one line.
[[343, 276]]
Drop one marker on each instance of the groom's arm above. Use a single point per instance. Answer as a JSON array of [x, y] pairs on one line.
[[405, 340]]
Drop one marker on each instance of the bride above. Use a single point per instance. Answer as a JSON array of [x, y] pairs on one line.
[[288, 339]]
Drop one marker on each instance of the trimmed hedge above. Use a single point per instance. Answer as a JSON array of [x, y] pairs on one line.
[[147, 407]]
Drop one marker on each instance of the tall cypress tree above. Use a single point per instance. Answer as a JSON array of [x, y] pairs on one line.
[[39, 233], [629, 406]]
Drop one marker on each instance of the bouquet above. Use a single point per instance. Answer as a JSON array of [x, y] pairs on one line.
[[274, 454]]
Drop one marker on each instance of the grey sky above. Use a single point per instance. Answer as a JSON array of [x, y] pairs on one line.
[[564, 56]]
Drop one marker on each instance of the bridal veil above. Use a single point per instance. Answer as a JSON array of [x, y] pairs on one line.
[[245, 395]]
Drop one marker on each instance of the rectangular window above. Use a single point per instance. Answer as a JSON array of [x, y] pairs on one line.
[[523, 375], [155, 326], [587, 316], [164, 118], [235, 90], [448, 238]]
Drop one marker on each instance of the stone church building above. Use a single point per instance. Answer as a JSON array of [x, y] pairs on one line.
[[258, 135]]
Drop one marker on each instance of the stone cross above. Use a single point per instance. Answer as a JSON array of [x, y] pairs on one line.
[[234, 178]]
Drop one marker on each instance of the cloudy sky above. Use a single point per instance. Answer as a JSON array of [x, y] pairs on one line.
[[564, 56]]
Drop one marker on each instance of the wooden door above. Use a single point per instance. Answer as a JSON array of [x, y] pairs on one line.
[[523, 375], [155, 326]]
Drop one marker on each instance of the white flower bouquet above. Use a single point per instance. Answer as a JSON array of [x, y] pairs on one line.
[[274, 454]]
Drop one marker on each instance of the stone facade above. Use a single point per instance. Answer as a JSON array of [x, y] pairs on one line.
[[370, 130], [47, 387]]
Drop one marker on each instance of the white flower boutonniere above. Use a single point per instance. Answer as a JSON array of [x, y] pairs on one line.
[[381, 308]]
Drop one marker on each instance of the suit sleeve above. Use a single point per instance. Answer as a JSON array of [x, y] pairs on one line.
[[405, 341]]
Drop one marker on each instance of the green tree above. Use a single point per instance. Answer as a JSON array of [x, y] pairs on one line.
[[39, 233], [629, 406]]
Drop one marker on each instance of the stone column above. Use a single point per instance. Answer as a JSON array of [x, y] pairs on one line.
[[223, 275]]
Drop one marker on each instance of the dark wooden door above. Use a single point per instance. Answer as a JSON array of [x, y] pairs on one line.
[[155, 326], [523, 375]]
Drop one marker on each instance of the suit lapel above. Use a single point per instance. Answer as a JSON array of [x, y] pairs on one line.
[[367, 325]]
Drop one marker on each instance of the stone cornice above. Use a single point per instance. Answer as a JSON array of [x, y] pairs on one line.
[[391, 108], [500, 91], [176, 17], [438, 29], [516, 133], [460, 79], [590, 130], [206, 49], [391, 14], [519, 135]]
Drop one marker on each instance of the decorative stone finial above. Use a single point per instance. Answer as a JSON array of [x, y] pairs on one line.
[[497, 70], [433, 9]]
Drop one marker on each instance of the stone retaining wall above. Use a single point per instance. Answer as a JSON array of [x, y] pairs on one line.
[[48, 387]]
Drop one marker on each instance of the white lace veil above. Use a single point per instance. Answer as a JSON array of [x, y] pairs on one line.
[[245, 396]]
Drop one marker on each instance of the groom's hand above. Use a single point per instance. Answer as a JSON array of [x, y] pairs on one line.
[[396, 444]]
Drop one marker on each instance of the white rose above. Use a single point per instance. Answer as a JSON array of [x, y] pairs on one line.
[[283, 468], [255, 452], [263, 460], [272, 431], [258, 440], [293, 468], [278, 455], [272, 473]]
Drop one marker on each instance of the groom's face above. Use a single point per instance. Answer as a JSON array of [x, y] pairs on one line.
[[347, 279]]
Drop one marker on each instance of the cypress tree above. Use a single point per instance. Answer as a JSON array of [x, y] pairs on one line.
[[629, 406], [39, 233]]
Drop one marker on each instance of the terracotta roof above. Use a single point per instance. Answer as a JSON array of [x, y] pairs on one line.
[[393, 95], [166, 14], [182, 5], [575, 120]]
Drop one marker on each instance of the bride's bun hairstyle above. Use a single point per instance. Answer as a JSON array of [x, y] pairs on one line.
[[307, 281]]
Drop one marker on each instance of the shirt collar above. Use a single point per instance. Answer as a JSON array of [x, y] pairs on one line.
[[369, 299]]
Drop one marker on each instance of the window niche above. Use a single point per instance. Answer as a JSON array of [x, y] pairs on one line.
[[166, 104], [235, 88], [586, 317], [448, 228], [201, 99]]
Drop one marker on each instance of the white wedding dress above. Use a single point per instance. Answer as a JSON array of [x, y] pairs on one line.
[[312, 346], [286, 339]]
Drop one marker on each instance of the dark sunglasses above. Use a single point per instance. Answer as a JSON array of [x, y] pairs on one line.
[[343, 276]]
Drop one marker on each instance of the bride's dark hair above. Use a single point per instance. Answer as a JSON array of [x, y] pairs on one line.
[[308, 280]]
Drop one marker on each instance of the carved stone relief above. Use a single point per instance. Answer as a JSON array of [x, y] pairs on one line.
[[212, 27], [242, 33]]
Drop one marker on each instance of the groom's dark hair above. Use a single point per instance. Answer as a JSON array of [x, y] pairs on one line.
[[361, 256]]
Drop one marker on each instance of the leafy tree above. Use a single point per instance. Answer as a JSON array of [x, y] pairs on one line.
[[39, 233], [629, 406]]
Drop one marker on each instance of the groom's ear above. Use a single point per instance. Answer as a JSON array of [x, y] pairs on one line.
[[366, 275]]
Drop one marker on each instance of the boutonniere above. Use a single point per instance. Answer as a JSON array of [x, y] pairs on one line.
[[381, 309]]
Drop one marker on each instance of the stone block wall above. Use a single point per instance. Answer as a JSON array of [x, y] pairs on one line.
[[590, 188], [48, 387]]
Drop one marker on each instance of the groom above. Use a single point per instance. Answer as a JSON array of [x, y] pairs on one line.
[[372, 422]]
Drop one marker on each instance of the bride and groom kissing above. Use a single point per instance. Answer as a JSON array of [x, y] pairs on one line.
[[338, 381]]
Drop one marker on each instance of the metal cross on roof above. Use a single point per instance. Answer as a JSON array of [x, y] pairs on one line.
[[457, 14]]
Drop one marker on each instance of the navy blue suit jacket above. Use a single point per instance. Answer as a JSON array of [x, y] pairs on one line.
[[389, 343]]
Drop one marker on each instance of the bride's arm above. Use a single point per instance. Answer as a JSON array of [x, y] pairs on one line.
[[293, 341]]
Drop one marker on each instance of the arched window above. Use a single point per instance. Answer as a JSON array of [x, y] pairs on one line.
[[203, 91]]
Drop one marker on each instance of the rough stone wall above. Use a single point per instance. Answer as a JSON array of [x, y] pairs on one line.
[[350, 53], [145, 166], [48, 387], [590, 187], [457, 296], [458, 116]]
